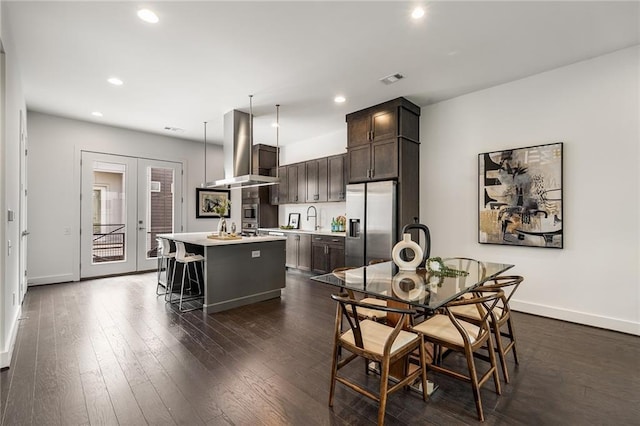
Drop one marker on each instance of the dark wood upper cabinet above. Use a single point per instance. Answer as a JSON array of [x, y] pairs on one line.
[[264, 159], [337, 177], [278, 194], [297, 182], [316, 180], [383, 143], [373, 139]]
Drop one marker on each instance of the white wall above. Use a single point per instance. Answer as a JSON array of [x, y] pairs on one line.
[[54, 184], [592, 107], [9, 193]]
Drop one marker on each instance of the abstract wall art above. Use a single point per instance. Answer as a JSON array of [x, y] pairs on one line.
[[520, 196]]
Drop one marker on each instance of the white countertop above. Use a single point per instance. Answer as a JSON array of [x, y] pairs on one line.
[[303, 231], [200, 239]]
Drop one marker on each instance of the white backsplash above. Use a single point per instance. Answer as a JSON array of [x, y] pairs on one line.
[[326, 211]]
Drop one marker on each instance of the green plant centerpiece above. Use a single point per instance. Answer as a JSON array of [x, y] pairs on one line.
[[436, 267]]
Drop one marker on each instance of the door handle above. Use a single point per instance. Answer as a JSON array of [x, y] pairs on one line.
[[25, 233], [141, 228]]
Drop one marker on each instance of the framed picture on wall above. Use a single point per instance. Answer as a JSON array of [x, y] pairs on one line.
[[213, 203], [520, 196]]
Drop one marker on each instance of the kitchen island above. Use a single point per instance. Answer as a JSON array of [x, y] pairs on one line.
[[237, 272]]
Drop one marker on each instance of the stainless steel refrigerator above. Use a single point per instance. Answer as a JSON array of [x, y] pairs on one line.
[[371, 216]]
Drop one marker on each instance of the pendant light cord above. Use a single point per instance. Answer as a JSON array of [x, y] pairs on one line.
[[205, 155], [278, 140]]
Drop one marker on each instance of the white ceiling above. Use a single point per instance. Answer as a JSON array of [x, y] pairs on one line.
[[204, 58]]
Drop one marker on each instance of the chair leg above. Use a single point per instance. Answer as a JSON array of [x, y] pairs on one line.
[[184, 267], [501, 352], [384, 384], [173, 280], [423, 366], [334, 372], [512, 336], [494, 365], [475, 387], [160, 263]]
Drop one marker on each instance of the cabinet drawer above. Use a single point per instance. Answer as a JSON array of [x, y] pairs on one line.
[[327, 239]]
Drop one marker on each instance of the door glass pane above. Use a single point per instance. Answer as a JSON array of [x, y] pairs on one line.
[[109, 204], [160, 202]]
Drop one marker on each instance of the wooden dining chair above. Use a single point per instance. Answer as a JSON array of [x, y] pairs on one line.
[[374, 314], [501, 316], [447, 331], [374, 342]]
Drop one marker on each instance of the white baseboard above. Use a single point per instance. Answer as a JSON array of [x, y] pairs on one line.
[[7, 352], [50, 279], [609, 323]]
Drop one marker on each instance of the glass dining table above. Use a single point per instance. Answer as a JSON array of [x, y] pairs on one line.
[[424, 289]]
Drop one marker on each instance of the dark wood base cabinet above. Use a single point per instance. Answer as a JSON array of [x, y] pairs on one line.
[[298, 251], [327, 253]]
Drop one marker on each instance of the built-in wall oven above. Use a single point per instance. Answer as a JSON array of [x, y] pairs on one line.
[[250, 218], [249, 211]]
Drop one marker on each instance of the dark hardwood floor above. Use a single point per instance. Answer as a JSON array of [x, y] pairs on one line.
[[109, 351]]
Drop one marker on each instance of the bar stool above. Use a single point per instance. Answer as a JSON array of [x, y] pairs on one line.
[[186, 259], [165, 255]]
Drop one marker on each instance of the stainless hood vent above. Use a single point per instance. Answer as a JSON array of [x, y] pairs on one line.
[[238, 154]]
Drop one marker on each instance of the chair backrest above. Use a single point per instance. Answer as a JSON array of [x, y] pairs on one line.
[[181, 251], [504, 281], [347, 309], [485, 300], [165, 246]]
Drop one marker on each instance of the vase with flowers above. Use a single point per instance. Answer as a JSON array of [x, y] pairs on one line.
[[221, 208]]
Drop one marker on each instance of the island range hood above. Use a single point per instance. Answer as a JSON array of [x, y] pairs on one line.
[[238, 154]]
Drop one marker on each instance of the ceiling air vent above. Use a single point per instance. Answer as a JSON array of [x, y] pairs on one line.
[[390, 79]]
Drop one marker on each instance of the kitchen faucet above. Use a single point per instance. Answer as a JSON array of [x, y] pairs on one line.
[[315, 217]]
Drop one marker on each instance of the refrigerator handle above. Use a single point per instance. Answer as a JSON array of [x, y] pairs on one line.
[[354, 228]]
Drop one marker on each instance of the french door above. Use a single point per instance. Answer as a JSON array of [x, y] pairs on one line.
[[125, 203]]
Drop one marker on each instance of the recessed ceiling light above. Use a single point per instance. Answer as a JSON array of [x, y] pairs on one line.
[[339, 99], [274, 124], [148, 16], [96, 114], [115, 81], [417, 13]]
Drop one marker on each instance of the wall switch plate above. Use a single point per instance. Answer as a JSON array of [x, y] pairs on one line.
[[255, 253]]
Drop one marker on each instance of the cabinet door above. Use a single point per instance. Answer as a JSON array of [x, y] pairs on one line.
[[322, 185], [319, 262], [358, 130], [384, 124], [302, 183], [292, 183], [304, 252], [312, 181], [384, 160], [291, 260], [335, 257], [278, 193], [337, 177], [359, 159]]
